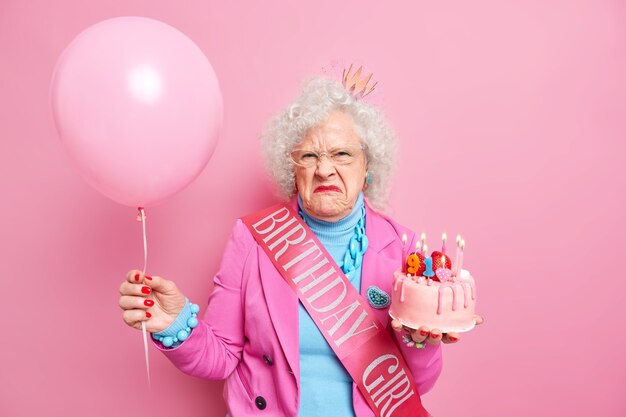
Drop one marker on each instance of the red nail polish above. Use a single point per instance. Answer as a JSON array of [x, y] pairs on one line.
[[424, 332], [149, 303], [149, 278], [145, 290], [137, 277], [148, 315], [452, 339], [434, 336]]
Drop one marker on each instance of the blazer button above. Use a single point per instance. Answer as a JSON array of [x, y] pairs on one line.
[[268, 360], [260, 403]]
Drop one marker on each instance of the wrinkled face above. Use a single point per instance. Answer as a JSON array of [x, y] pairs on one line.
[[330, 189]]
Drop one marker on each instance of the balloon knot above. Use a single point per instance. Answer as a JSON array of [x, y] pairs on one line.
[[141, 215]]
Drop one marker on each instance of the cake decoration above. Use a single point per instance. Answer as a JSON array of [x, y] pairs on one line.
[[429, 268], [443, 274], [444, 237], [415, 264], [429, 290], [459, 262], [440, 260], [456, 256], [403, 252]]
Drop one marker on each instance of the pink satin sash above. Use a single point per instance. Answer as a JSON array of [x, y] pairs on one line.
[[357, 337]]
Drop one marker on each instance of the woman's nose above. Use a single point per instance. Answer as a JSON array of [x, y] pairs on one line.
[[325, 166]]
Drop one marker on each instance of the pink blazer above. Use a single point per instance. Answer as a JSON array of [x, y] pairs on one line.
[[249, 334]]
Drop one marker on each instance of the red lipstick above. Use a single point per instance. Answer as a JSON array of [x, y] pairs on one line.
[[325, 188]]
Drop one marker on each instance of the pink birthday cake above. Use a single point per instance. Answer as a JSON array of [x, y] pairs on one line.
[[429, 292]]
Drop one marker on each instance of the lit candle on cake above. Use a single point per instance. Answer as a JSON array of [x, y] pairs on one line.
[[424, 250], [418, 247], [443, 245], [443, 274], [423, 239], [459, 265], [456, 255], [403, 269]]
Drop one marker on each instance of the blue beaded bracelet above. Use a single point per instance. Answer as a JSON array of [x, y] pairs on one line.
[[183, 334]]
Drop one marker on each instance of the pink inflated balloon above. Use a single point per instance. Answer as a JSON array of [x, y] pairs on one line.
[[138, 107]]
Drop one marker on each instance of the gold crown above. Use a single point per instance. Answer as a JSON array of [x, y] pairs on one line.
[[357, 86]]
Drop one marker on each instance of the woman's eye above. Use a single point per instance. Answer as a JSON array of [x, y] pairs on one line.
[[342, 154], [308, 155]]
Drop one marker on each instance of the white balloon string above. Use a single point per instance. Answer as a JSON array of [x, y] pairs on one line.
[[142, 216], [145, 350]]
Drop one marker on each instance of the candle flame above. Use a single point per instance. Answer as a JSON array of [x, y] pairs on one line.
[[418, 245], [444, 237], [458, 239], [462, 244], [423, 236], [404, 238], [425, 249]]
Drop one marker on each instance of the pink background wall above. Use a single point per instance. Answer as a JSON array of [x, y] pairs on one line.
[[511, 117]]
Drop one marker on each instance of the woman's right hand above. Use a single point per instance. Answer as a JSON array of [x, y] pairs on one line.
[[152, 299]]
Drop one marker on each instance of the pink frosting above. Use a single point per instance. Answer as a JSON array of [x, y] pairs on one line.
[[434, 304]]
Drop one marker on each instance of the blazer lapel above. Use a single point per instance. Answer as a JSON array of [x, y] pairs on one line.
[[377, 267], [282, 304]]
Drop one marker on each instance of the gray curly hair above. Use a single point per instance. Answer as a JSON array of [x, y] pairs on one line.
[[320, 97]]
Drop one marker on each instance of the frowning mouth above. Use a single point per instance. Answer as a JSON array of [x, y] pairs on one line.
[[327, 188]]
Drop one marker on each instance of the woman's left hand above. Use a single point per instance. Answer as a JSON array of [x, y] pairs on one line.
[[431, 336]]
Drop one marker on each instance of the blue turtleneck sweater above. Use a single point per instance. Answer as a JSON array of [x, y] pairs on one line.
[[325, 386]]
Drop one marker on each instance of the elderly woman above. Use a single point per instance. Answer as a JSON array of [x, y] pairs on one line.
[[333, 154]]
